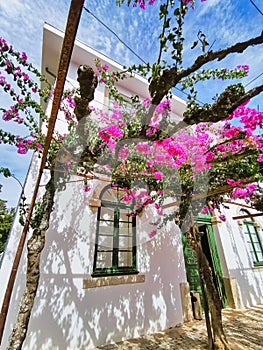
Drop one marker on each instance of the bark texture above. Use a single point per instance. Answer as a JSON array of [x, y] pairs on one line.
[[160, 86], [213, 307], [35, 246]]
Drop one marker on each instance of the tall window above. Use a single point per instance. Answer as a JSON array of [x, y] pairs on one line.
[[115, 246], [253, 239]]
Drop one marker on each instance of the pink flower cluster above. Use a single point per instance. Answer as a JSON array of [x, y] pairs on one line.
[[24, 145], [110, 132], [250, 117], [243, 67], [240, 190], [142, 3], [102, 72], [3, 45]]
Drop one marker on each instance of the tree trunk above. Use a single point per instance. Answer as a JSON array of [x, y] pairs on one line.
[[220, 341], [214, 302], [206, 310], [35, 246]]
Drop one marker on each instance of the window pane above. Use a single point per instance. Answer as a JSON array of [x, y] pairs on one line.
[[252, 238], [106, 228], [106, 213], [260, 256], [254, 257], [246, 231], [105, 242], [110, 195], [104, 260], [250, 245], [126, 231], [123, 215], [125, 259], [252, 229], [125, 242], [257, 246]]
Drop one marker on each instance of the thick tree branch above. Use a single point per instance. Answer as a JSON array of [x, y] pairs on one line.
[[160, 86], [227, 102], [248, 95], [87, 84]]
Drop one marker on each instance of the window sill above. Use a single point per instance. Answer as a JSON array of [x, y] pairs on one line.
[[112, 281], [258, 267]]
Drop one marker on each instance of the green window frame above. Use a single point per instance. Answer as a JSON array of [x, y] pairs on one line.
[[253, 240], [115, 245]]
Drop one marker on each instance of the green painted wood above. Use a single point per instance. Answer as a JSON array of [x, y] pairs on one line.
[[205, 227], [216, 266], [191, 267]]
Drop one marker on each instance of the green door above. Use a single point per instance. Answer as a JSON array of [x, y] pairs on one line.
[[209, 247], [191, 267]]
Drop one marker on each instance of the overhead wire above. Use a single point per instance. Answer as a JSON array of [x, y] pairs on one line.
[[127, 46], [258, 9], [142, 60], [107, 27], [251, 81]]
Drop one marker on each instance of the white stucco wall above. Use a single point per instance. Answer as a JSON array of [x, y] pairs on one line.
[[66, 316], [237, 262]]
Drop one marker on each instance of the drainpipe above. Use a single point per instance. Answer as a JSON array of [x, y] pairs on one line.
[[65, 56]]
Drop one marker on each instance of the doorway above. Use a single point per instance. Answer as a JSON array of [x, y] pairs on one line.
[[208, 243]]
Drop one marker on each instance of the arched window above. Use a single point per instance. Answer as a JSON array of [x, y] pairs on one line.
[[115, 246], [252, 238]]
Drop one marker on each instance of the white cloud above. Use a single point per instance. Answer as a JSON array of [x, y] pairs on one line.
[[12, 8]]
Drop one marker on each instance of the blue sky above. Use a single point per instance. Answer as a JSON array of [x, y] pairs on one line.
[[224, 22]]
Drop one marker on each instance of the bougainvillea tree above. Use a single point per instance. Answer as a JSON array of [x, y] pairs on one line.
[[197, 163]]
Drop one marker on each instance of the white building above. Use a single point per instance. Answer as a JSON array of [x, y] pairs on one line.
[[78, 305]]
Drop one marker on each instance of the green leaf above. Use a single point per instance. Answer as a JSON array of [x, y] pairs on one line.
[[194, 44], [6, 172]]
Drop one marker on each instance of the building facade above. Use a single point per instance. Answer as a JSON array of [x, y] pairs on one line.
[[103, 279]]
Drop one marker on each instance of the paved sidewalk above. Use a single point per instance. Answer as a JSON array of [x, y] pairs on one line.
[[244, 330]]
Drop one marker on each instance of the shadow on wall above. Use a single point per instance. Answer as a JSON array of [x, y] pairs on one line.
[[66, 316], [249, 280]]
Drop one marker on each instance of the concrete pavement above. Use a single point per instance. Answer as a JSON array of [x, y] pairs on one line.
[[244, 330]]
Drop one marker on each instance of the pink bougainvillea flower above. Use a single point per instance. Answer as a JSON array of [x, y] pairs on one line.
[[143, 148], [124, 152], [240, 193], [205, 210], [222, 217], [87, 188], [234, 183], [152, 233], [127, 198], [158, 175], [210, 156], [251, 188], [110, 131]]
